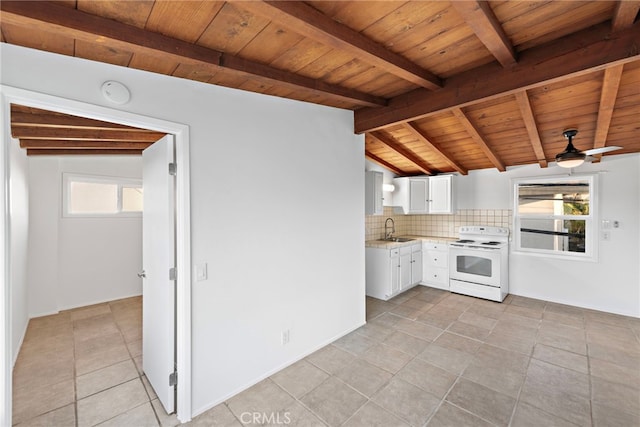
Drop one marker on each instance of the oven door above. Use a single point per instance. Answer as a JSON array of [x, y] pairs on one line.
[[475, 265]]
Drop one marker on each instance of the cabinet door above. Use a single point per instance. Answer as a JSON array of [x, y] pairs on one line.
[[377, 193], [405, 271], [416, 267], [395, 274], [373, 193], [418, 189], [440, 194]]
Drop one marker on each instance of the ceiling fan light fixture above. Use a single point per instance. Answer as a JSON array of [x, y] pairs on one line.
[[569, 162], [570, 157]]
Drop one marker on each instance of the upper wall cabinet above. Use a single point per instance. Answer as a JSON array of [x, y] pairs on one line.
[[441, 199], [412, 194], [424, 194], [373, 193]]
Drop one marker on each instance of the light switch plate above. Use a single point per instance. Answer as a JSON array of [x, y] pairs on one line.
[[201, 272]]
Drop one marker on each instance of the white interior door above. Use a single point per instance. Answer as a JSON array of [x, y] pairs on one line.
[[158, 257]]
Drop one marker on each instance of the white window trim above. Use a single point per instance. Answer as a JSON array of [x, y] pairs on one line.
[[592, 223], [67, 178]]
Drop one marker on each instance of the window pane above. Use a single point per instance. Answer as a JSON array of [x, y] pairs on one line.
[[132, 199], [93, 198], [568, 198], [553, 234]]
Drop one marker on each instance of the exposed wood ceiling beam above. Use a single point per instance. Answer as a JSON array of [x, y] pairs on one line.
[[624, 15], [418, 133], [399, 149], [41, 118], [375, 159], [309, 22], [31, 152], [608, 96], [478, 139], [480, 17], [577, 54], [532, 129], [78, 134], [83, 26], [38, 144]]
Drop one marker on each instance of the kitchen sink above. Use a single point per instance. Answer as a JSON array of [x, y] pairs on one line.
[[397, 239]]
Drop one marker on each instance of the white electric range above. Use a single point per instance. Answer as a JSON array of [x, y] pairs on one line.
[[479, 262]]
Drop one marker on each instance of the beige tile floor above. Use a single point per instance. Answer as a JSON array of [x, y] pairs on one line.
[[83, 367], [427, 357]]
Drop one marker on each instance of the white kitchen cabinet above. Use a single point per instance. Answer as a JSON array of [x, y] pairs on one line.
[[424, 194], [392, 271], [405, 268], [441, 200], [416, 264], [411, 194], [373, 202], [435, 259]]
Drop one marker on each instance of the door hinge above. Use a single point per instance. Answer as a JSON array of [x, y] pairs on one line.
[[173, 274], [172, 168], [173, 379]]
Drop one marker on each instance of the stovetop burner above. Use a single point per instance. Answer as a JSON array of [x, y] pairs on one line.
[[483, 237]]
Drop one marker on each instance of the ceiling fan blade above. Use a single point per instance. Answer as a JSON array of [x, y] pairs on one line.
[[601, 150]]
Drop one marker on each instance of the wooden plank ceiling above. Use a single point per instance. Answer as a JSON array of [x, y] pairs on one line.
[[43, 132], [436, 86]]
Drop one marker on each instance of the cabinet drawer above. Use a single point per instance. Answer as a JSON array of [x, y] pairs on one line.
[[436, 259], [435, 246], [394, 253], [436, 275]]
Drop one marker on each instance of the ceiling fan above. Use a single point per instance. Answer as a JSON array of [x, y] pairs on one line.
[[572, 157]]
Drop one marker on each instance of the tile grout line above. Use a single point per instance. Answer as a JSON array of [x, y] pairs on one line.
[[139, 374], [586, 342], [526, 371], [75, 375]]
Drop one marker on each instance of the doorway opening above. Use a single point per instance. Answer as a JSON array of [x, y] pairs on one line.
[[182, 233]]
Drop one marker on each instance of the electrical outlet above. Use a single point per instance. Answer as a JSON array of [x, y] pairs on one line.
[[606, 235], [285, 337]]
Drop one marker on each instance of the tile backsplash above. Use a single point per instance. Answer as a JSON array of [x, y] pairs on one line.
[[435, 225]]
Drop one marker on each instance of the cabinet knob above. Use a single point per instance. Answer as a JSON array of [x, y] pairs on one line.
[[435, 259]]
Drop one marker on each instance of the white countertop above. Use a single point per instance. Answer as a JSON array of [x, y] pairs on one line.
[[382, 244]]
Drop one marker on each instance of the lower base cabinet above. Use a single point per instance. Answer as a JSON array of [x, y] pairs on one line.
[[392, 271], [436, 265]]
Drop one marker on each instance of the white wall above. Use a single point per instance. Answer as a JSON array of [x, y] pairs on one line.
[[613, 283], [75, 262], [19, 237], [44, 195], [277, 214]]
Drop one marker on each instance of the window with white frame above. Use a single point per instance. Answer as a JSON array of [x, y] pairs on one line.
[[556, 216], [100, 196]]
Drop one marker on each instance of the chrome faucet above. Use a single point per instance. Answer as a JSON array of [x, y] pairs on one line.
[[387, 234]]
